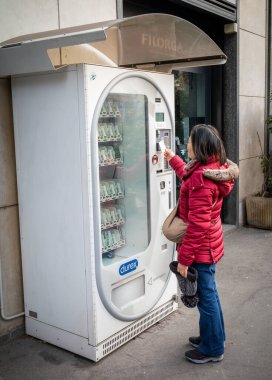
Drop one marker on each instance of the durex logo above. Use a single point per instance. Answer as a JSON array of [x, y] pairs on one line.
[[130, 266]]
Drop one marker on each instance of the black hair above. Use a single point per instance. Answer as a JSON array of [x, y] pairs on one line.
[[206, 143]]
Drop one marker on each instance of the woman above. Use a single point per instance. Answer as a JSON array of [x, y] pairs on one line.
[[202, 247]]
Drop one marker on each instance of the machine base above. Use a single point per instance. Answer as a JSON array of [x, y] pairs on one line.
[[80, 345]]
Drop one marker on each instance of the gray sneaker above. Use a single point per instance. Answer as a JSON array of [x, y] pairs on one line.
[[194, 341], [195, 356]]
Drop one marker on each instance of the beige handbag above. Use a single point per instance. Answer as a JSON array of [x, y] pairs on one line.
[[173, 227]]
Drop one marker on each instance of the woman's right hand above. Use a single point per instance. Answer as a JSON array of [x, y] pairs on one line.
[[183, 270], [168, 154]]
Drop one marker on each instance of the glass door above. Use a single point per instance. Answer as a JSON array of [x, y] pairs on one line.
[[192, 106], [124, 176]]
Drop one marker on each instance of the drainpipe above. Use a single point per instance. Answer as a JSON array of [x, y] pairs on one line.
[[2, 301]]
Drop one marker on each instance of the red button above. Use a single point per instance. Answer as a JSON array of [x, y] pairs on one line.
[[155, 159]]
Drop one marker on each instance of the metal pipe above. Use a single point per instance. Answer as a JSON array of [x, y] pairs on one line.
[[2, 301]]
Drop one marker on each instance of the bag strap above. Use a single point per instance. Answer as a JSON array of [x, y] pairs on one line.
[[214, 203]]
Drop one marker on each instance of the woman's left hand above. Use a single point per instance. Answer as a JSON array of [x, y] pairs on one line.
[[182, 269]]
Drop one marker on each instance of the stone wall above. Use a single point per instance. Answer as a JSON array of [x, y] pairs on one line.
[[10, 257], [251, 58], [19, 18], [24, 17]]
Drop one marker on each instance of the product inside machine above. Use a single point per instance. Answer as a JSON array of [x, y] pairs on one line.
[[123, 173]]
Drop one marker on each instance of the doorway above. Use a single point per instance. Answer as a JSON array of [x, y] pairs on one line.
[[192, 106]]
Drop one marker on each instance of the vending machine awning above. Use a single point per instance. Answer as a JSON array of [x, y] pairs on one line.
[[159, 42]]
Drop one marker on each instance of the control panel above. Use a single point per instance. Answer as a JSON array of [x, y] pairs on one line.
[[163, 140]]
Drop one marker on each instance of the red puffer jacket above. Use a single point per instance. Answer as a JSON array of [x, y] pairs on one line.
[[200, 206]]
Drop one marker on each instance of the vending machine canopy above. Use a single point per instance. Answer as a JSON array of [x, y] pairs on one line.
[[158, 42]]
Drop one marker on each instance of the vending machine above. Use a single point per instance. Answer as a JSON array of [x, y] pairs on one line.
[[94, 190]]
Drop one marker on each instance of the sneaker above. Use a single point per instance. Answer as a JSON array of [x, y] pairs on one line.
[[194, 341], [195, 356]]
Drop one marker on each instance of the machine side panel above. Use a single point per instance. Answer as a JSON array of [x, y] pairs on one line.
[[46, 118]]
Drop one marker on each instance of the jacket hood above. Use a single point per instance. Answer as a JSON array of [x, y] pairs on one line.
[[224, 186]]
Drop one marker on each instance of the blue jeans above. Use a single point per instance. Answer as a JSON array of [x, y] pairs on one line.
[[211, 322]]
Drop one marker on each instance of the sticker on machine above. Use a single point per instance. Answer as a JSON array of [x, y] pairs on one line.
[[128, 267]]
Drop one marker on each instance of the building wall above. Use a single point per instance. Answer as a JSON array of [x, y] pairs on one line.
[[19, 18], [10, 257], [252, 55], [24, 17]]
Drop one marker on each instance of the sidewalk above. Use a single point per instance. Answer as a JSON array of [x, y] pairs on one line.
[[245, 284]]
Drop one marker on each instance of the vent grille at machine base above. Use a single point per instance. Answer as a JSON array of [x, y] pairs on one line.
[[136, 328]]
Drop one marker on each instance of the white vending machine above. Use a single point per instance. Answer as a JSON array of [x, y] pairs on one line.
[[94, 190]]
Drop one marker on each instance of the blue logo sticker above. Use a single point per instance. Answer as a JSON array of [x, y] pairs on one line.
[[130, 266], [92, 76]]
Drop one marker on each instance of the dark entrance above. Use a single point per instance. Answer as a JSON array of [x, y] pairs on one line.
[[203, 95]]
